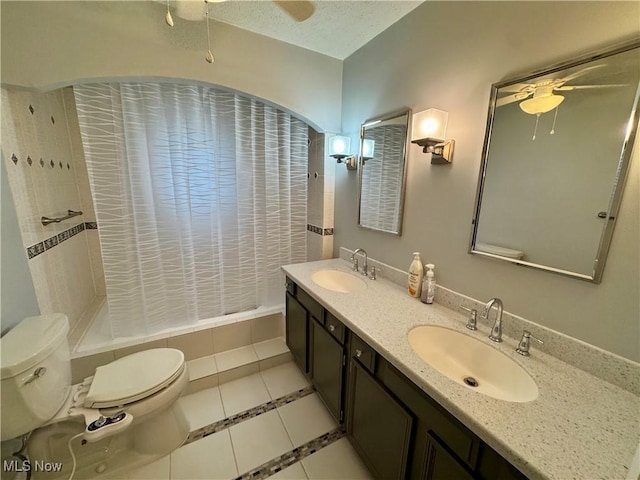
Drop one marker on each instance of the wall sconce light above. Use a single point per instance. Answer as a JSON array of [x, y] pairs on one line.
[[428, 131], [339, 148], [368, 146]]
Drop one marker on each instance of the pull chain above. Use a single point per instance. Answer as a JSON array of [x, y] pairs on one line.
[[553, 128], [209, 57], [536, 127], [168, 17]]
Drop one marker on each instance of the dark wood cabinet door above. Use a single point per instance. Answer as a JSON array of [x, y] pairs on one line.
[[296, 330], [439, 464], [327, 369], [378, 426]]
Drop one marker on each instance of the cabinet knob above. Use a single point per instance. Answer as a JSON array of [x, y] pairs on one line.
[[332, 328], [358, 353]]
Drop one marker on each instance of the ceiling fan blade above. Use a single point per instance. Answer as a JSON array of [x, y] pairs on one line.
[[517, 87], [511, 98], [584, 87], [579, 73], [299, 10]]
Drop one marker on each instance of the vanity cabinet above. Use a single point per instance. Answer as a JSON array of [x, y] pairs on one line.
[[297, 332], [378, 426], [328, 361], [317, 342], [398, 430]]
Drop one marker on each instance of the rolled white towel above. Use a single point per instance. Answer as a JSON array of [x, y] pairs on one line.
[[497, 250]]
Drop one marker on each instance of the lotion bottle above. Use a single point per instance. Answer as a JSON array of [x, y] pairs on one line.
[[416, 273], [429, 285]]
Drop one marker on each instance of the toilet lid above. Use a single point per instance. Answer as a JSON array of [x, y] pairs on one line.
[[134, 377]]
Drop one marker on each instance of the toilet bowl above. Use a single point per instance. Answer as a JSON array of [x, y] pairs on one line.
[[123, 416]]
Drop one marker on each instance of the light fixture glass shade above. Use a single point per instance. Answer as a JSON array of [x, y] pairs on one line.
[[367, 148], [542, 104], [191, 10], [339, 146], [431, 123]]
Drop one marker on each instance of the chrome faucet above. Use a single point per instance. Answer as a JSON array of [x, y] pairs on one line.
[[364, 266], [496, 330]]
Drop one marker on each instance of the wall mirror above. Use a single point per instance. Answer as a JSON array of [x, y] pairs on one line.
[[382, 172], [555, 158]]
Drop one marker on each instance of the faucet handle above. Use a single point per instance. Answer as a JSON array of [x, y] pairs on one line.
[[355, 265], [473, 318], [372, 276], [525, 342]]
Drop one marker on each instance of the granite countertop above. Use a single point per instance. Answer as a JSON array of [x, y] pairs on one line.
[[579, 427]]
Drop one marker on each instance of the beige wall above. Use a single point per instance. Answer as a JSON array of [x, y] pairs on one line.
[[446, 55], [47, 44]]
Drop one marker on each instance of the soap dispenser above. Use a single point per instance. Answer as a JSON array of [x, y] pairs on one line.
[[429, 285], [416, 273]]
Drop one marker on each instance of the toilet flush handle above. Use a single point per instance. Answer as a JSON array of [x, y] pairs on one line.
[[37, 373]]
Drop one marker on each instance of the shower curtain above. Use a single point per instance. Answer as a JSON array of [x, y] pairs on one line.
[[200, 197]]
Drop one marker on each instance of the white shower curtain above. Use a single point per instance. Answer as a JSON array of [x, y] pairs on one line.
[[200, 197]]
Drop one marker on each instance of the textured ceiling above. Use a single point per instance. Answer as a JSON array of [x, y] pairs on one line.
[[337, 28]]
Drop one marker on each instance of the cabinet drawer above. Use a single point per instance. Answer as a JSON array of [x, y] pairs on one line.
[[335, 327], [313, 307], [363, 352], [291, 286]]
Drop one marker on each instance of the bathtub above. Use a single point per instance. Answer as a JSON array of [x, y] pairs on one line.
[[92, 334]]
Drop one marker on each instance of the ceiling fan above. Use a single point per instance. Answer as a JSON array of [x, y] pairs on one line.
[[543, 97], [299, 10]]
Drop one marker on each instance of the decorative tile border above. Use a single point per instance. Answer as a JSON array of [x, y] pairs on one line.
[[294, 456], [247, 414], [320, 230], [35, 250], [49, 243], [30, 162], [283, 461]]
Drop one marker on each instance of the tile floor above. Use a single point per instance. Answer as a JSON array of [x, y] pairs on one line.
[[266, 439]]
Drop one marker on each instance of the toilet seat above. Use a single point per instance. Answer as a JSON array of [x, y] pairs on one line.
[[134, 377]]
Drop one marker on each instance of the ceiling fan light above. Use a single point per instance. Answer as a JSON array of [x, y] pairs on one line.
[[542, 104], [191, 9]]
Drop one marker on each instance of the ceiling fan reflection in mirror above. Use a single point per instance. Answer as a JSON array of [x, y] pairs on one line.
[[543, 97]]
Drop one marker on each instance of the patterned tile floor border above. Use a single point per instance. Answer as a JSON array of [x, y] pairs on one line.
[[286, 459], [247, 414], [294, 456]]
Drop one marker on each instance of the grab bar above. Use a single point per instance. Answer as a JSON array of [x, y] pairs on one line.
[[70, 214]]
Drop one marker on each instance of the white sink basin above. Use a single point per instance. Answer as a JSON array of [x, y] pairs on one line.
[[460, 357], [338, 281]]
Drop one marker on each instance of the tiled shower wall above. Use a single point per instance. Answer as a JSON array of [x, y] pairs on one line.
[[43, 156], [320, 197]]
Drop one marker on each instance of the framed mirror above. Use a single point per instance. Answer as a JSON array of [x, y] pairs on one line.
[[382, 172], [555, 158]]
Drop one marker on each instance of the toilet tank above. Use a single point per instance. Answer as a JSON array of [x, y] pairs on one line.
[[35, 373]]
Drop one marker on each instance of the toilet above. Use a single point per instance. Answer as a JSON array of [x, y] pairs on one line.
[[123, 416]]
